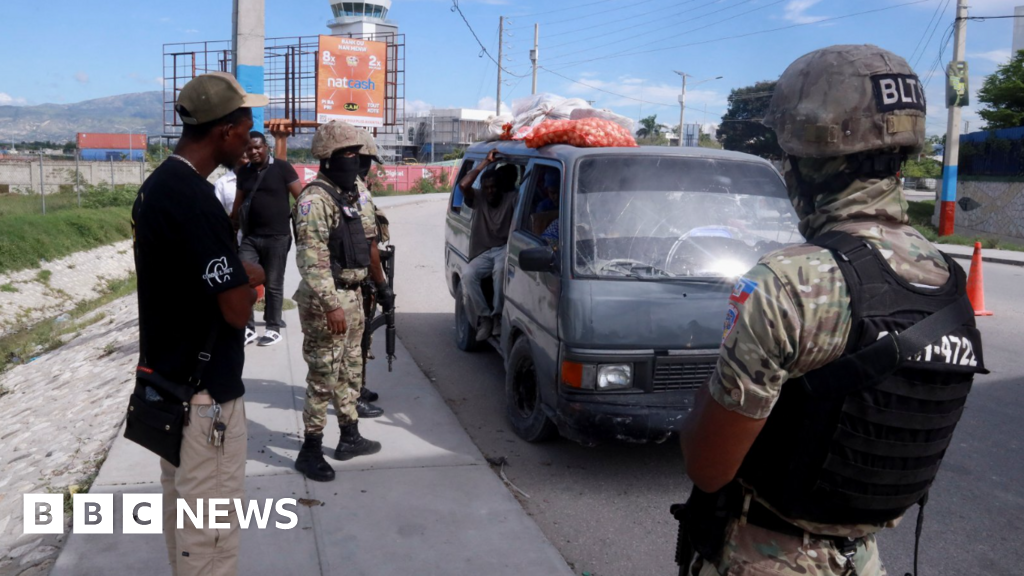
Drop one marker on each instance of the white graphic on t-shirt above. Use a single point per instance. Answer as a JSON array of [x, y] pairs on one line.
[[218, 270]]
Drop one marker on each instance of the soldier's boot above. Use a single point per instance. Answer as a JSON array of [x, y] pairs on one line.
[[311, 460], [353, 444], [367, 394], [367, 410]]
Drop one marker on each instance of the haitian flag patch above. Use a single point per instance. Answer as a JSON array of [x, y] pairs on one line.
[[742, 291]]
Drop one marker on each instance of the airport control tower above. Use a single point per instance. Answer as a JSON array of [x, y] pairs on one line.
[[360, 18]]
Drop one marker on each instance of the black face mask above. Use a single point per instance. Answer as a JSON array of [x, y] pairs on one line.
[[342, 171], [365, 163]]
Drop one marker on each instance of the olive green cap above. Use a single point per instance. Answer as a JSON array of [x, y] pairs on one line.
[[212, 96]]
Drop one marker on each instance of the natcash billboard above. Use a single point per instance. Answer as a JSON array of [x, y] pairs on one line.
[[350, 81]]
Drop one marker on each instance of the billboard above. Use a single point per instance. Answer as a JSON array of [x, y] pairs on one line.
[[350, 81]]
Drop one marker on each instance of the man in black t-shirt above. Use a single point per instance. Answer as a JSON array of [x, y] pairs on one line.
[[266, 231], [191, 285]]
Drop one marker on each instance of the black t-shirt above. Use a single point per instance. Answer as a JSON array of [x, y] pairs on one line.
[[185, 254], [270, 210]]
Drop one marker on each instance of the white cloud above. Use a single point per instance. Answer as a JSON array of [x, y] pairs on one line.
[[488, 103], [996, 56], [82, 77], [191, 31], [8, 100], [795, 11], [417, 107], [663, 96]]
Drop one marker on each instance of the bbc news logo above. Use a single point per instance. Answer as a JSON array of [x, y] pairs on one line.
[[143, 513]]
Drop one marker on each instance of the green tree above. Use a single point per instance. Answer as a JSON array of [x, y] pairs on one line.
[[649, 127], [1003, 95], [706, 141], [741, 129], [456, 154]]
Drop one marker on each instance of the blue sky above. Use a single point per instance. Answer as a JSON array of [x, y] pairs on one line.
[[67, 50]]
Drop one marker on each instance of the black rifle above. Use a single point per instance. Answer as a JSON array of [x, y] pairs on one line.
[[387, 261]]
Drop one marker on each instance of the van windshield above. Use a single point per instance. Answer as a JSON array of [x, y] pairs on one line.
[[673, 217]]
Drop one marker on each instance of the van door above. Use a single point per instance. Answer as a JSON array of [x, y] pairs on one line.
[[531, 298], [456, 253]]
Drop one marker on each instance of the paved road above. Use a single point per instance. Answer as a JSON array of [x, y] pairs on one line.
[[606, 508]]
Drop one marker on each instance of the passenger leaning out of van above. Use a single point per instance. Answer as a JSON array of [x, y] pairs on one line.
[[492, 205]]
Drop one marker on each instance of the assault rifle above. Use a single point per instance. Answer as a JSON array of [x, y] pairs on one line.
[[373, 321]]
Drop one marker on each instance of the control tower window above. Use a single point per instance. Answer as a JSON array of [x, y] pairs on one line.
[[359, 8]]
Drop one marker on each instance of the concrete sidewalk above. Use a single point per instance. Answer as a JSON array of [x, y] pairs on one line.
[[1009, 257], [428, 503]]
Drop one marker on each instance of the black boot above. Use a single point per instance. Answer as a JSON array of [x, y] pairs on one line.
[[353, 444], [311, 460], [367, 410], [368, 395]]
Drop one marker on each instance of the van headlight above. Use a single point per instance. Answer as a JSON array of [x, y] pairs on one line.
[[614, 376]]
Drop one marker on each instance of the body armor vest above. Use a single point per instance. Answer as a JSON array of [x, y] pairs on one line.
[[860, 440], [347, 242]]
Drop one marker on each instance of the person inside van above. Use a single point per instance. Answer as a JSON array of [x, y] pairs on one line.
[[493, 206], [546, 212]]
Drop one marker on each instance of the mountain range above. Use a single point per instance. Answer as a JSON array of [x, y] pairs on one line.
[[60, 122]]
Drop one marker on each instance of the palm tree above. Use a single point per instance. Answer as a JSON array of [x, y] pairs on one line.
[[649, 127]]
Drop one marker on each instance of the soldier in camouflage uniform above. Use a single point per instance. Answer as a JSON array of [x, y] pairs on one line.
[[836, 111], [332, 256]]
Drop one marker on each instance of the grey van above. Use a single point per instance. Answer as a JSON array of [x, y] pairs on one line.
[[612, 323]]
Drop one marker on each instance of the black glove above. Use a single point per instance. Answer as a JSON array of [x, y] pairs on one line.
[[385, 297]]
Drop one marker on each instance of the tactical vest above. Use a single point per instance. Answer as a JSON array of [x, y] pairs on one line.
[[860, 440], [347, 242]]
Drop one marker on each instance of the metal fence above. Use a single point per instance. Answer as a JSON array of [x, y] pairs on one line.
[[993, 153], [55, 183]]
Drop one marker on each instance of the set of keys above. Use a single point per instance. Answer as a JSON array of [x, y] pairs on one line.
[[217, 428]]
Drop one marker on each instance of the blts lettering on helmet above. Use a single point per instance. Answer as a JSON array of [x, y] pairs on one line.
[[898, 92]]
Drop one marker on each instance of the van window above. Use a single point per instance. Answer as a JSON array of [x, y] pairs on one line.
[[672, 217], [542, 199], [457, 197]]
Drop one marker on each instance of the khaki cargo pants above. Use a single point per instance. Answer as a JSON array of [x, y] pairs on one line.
[[206, 471]]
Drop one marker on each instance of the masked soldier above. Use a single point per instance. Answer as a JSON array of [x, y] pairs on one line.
[[377, 291], [332, 255], [847, 360]]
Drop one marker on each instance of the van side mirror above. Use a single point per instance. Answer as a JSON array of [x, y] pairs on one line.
[[541, 259]]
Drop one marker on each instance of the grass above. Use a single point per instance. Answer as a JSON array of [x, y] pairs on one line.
[[921, 220], [48, 335], [25, 239], [8, 287]]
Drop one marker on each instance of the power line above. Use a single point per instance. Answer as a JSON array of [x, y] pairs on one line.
[[748, 34], [592, 14], [483, 49], [709, 25], [939, 8], [576, 7], [644, 24], [599, 89], [619, 20]]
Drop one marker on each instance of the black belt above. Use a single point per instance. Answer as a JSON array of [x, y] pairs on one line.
[[762, 517]]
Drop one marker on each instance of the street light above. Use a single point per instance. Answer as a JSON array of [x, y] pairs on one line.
[[682, 102]]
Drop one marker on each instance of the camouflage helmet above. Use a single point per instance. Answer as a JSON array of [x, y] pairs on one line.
[[334, 136], [369, 146], [847, 99]]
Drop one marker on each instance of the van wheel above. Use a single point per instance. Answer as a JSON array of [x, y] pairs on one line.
[[465, 335], [522, 396]]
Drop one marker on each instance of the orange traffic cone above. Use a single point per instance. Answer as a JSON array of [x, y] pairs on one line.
[[976, 283]]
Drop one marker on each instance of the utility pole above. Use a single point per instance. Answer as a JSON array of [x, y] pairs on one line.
[[432, 141], [501, 42], [682, 110], [947, 212], [42, 183], [967, 126], [535, 55]]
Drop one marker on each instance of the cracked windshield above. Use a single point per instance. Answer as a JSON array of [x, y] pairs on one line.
[[664, 218]]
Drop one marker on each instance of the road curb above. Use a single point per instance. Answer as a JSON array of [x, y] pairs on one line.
[[988, 259]]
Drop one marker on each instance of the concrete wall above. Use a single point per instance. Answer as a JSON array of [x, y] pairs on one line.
[[24, 176], [1000, 216]]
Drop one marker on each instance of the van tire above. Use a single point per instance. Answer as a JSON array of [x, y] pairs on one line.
[[465, 334], [522, 396]]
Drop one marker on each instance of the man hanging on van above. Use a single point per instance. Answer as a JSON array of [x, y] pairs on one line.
[[492, 218]]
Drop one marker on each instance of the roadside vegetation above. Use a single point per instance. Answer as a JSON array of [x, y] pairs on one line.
[[28, 236], [22, 346]]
